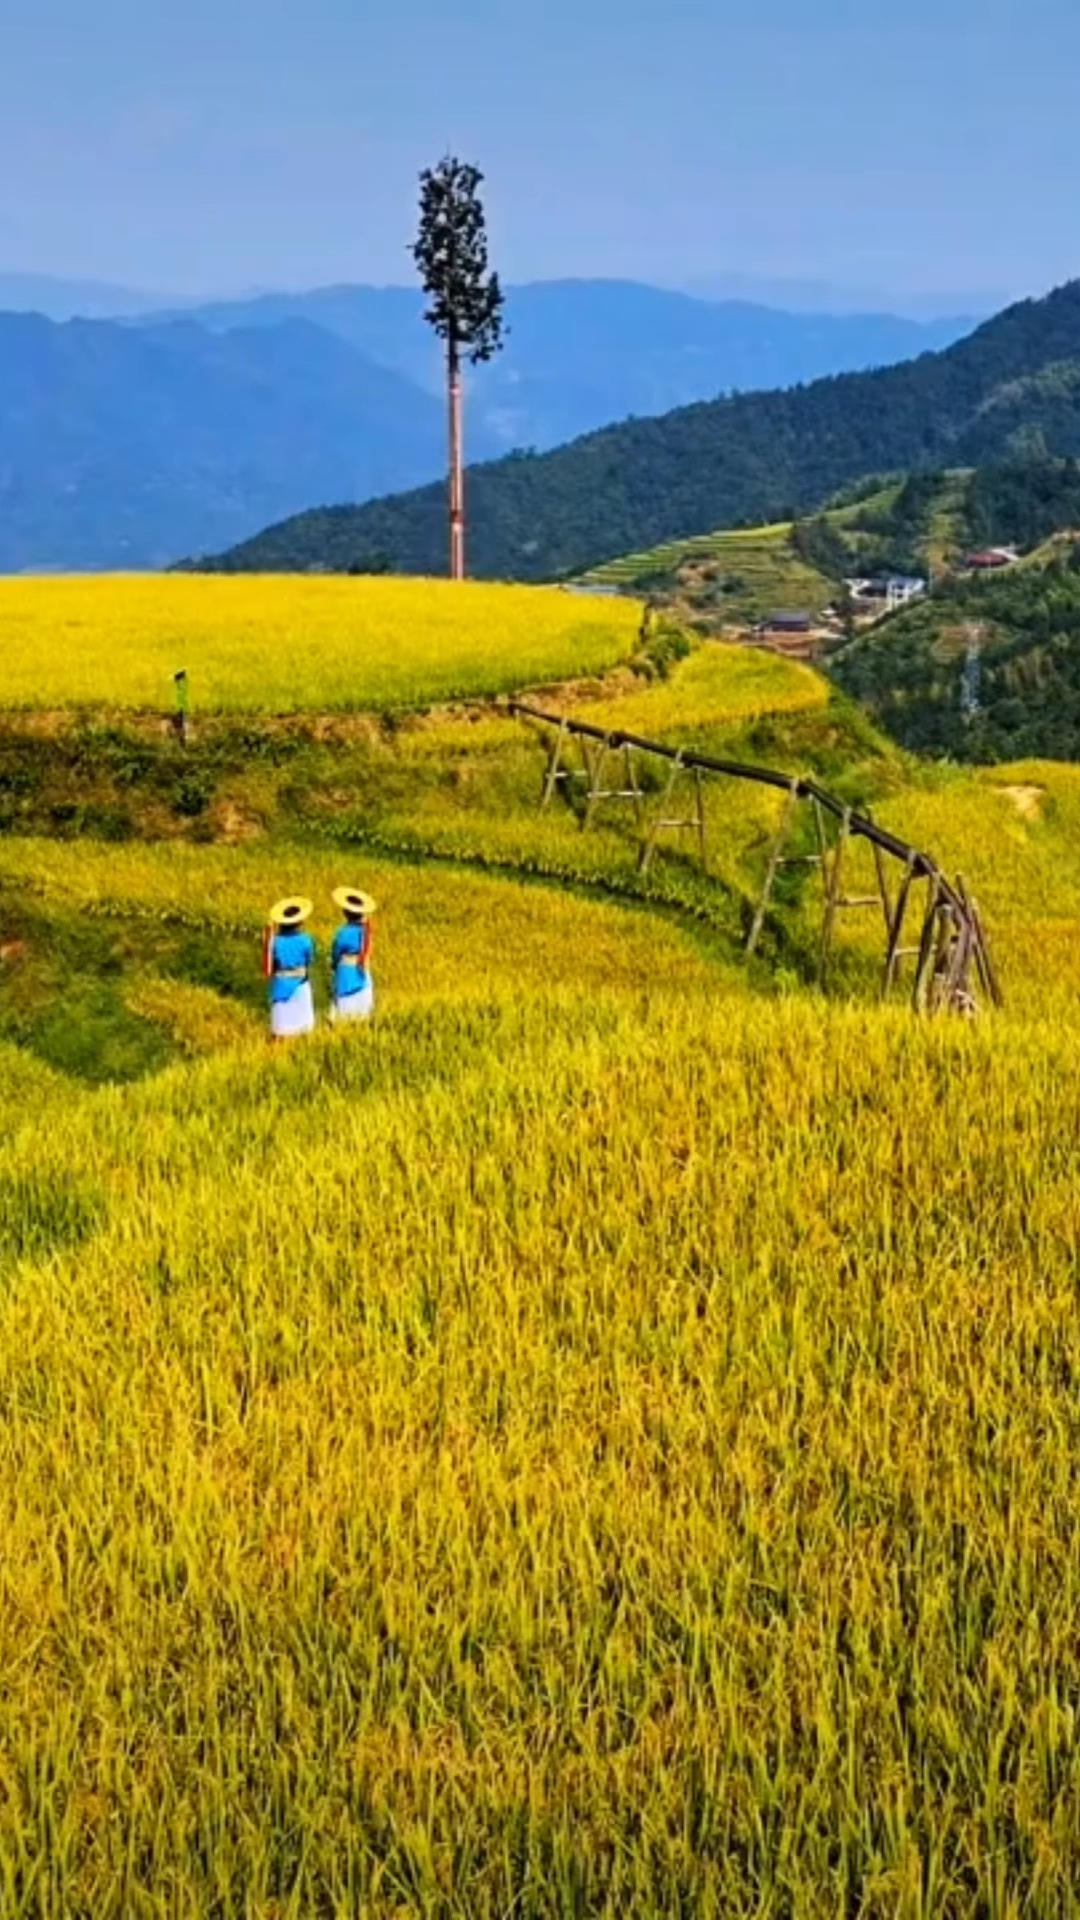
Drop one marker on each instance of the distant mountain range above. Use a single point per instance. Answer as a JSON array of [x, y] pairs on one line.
[[582, 353], [130, 441], [1012, 388], [119, 446], [60, 299], [831, 296]]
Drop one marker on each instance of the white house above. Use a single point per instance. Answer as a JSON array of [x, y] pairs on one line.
[[892, 590]]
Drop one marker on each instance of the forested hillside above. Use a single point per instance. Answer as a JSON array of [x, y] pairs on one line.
[[1012, 388], [922, 525], [985, 670], [580, 354], [129, 443]]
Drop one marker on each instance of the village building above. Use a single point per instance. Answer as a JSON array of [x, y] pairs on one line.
[[989, 559], [890, 590], [787, 623], [797, 635]]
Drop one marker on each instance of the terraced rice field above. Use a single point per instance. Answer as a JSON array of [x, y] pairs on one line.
[[769, 573], [602, 1440], [281, 644]]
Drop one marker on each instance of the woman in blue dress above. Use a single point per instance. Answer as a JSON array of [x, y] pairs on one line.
[[350, 957], [288, 958]]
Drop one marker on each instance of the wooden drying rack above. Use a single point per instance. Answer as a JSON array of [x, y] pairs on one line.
[[951, 952]]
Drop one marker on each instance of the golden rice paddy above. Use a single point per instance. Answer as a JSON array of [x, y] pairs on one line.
[[282, 644], [601, 1441]]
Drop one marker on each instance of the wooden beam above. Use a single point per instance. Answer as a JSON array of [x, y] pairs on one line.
[[598, 763], [925, 960], [956, 987], [632, 790], [833, 878], [695, 821], [894, 950], [984, 965], [699, 798], [773, 868], [556, 771], [952, 939], [883, 884]]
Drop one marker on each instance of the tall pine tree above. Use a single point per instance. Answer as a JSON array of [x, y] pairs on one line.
[[465, 303]]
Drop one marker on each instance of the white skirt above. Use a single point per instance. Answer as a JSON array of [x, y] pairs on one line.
[[294, 1015], [355, 1006]]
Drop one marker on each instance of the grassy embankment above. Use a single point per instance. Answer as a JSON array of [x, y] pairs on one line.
[[602, 1441]]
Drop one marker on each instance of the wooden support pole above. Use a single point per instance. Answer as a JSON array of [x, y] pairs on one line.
[[556, 771], [602, 753], [926, 949], [695, 821], [883, 886], [982, 969], [632, 790], [956, 987], [821, 837], [699, 796], [896, 929], [648, 845], [182, 715], [984, 965], [946, 933], [599, 761], [773, 868], [956, 991], [834, 876]]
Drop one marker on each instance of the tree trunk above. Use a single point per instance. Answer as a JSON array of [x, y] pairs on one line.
[[457, 478]]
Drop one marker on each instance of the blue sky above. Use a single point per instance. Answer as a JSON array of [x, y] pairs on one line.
[[195, 145]]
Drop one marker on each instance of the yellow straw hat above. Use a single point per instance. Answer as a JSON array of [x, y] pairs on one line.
[[291, 913], [351, 900]]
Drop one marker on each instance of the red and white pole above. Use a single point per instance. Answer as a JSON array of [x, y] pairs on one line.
[[457, 477]]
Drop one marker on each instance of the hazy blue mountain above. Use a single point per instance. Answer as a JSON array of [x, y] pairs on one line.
[[1011, 391], [131, 442], [832, 297], [61, 299], [584, 353], [123, 446]]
